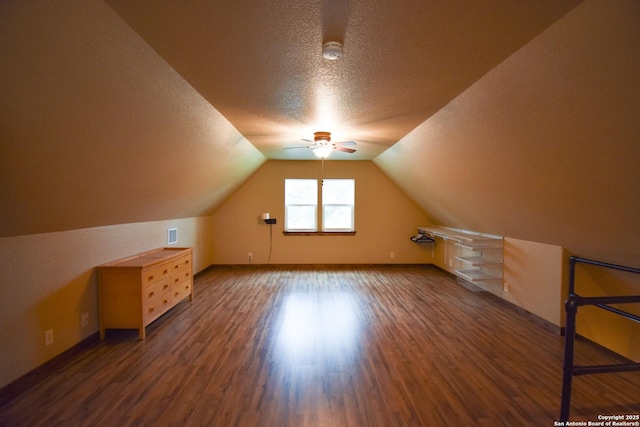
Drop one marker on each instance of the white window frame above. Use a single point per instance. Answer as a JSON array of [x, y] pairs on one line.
[[326, 206], [320, 209], [291, 205]]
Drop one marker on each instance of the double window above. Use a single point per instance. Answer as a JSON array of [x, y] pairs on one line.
[[303, 197]]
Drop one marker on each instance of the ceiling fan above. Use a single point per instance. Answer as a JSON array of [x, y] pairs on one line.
[[322, 145]]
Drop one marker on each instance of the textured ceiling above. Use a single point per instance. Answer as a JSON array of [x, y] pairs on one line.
[[260, 63]]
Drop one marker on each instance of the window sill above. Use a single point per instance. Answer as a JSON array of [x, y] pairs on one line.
[[319, 233]]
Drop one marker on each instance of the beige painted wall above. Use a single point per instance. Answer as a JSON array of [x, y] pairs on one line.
[[384, 218], [535, 278], [49, 280]]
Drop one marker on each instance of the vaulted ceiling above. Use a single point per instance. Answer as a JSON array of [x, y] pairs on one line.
[[260, 62], [129, 111]]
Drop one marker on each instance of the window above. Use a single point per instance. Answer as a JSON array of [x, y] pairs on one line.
[[300, 204], [338, 199], [302, 199]]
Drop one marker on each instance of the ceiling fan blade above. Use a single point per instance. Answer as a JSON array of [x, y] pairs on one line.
[[345, 149], [346, 143], [302, 146]]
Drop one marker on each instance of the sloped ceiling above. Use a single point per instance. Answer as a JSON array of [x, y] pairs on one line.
[[260, 62], [117, 112], [97, 129], [545, 147]]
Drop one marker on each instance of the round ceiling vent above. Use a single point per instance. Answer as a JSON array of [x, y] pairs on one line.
[[332, 50]]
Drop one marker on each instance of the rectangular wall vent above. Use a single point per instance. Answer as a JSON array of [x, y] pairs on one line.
[[172, 236]]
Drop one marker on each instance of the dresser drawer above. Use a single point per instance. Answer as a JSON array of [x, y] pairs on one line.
[[181, 263], [181, 290], [181, 276], [156, 274], [156, 290], [156, 307]]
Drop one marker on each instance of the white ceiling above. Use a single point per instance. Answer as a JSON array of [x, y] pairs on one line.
[[260, 63]]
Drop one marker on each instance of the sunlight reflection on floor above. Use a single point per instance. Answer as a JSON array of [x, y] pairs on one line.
[[316, 328]]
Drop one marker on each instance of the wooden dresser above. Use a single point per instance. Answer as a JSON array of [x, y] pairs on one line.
[[135, 291]]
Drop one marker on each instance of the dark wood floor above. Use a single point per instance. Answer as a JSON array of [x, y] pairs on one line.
[[325, 346]]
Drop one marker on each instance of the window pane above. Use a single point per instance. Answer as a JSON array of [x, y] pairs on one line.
[[300, 192], [338, 199], [301, 204], [301, 217], [338, 217], [338, 191]]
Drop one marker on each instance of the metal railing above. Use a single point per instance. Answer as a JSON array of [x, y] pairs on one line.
[[571, 306]]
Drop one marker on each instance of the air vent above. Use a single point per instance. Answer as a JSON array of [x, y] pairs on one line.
[[172, 236]]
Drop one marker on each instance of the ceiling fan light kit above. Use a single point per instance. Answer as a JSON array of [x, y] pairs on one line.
[[332, 50], [322, 145], [322, 151]]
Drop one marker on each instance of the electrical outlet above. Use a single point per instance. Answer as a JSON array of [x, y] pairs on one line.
[[85, 320], [250, 255], [505, 286], [48, 337], [450, 263], [392, 255]]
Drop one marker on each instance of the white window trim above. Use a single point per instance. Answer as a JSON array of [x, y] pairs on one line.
[[320, 214]]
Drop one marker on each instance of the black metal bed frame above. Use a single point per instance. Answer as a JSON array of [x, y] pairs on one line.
[[571, 306]]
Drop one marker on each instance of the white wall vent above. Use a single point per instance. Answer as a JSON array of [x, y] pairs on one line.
[[172, 236]]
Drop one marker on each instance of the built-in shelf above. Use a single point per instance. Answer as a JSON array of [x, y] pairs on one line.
[[476, 275], [479, 256], [476, 261]]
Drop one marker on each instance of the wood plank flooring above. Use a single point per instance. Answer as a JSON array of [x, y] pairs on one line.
[[325, 346]]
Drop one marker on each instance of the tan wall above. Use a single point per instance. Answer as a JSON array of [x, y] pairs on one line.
[[384, 218], [49, 280], [534, 276]]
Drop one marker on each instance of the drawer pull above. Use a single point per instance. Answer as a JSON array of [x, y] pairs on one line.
[[152, 309], [186, 287], [165, 272], [186, 274], [150, 278], [187, 262], [151, 294], [165, 301], [177, 293], [165, 286], [176, 266]]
